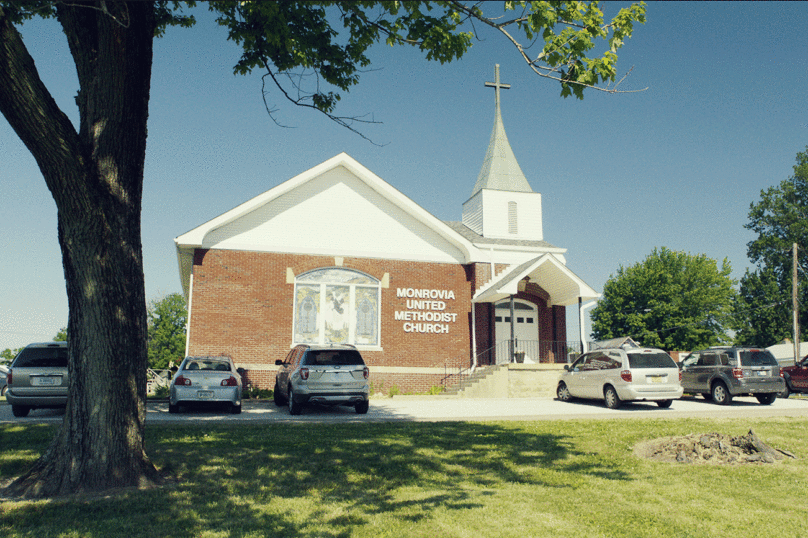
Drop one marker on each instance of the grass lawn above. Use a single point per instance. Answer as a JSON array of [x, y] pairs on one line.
[[494, 479]]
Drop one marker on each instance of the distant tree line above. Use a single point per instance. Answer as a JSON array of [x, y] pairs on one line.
[[679, 301]]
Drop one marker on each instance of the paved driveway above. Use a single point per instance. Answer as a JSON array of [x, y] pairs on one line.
[[436, 409]]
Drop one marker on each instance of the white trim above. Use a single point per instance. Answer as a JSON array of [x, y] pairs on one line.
[[507, 283]]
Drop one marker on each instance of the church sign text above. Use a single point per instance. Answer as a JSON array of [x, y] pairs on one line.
[[425, 310]]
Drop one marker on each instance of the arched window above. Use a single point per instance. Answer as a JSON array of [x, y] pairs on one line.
[[336, 306]]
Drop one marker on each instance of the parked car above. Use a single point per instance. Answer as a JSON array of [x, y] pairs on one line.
[[795, 378], [329, 375], [617, 375], [206, 381], [3, 380], [721, 373], [38, 378]]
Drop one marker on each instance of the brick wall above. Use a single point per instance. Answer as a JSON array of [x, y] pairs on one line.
[[242, 306]]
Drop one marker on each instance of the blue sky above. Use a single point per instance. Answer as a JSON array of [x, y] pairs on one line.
[[676, 165]]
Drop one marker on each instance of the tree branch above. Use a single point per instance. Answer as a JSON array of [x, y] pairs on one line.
[[344, 121], [32, 112]]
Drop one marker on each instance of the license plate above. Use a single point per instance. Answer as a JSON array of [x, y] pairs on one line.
[[43, 381], [762, 373], [657, 379], [204, 394]]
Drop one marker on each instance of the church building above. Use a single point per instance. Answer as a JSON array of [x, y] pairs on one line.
[[422, 299]]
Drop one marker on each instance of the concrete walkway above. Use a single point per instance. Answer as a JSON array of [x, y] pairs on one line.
[[436, 409]]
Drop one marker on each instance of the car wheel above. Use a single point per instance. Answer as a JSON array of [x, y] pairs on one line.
[[563, 392], [611, 397], [720, 394], [707, 396], [20, 410], [173, 408], [235, 409], [362, 408], [277, 397], [664, 404], [766, 399], [786, 392], [295, 408]]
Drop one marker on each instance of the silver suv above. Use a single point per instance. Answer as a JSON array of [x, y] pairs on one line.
[[330, 375], [719, 373], [38, 378], [627, 373]]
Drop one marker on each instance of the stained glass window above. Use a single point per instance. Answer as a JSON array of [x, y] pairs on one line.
[[335, 305]]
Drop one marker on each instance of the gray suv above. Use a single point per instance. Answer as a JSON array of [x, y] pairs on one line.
[[330, 375], [38, 378], [720, 373]]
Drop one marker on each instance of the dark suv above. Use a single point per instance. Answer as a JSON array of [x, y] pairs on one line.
[[720, 373], [38, 378], [330, 375], [795, 378]]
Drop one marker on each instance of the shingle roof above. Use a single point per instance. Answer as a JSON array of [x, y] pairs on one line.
[[479, 240]]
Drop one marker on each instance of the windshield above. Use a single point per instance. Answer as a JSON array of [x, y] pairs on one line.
[[333, 357], [757, 357], [42, 357], [650, 360]]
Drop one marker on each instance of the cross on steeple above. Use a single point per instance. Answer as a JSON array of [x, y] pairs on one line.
[[497, 85]]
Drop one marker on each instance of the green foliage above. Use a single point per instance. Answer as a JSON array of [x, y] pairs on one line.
[[254, 393], [61, 336], [7, 355], [328, 41], [671, 300], [167, 318], [779, 219]]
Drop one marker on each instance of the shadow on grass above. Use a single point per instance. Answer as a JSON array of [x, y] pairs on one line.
[[301, 480]]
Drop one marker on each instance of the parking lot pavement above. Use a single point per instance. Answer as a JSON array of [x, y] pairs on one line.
[[436, 409]]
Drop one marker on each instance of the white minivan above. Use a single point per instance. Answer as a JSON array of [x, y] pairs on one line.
[[623, 374]]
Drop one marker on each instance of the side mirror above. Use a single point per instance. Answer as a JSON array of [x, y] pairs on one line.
[[278, 362], [241, 371], [567, 367]]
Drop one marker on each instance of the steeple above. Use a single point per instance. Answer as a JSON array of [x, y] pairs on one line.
[[500, 169]]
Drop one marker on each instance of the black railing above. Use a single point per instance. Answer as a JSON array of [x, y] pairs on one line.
[[530, 352]]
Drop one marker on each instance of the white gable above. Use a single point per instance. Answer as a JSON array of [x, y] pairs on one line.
[[335, 213], [337, 208]]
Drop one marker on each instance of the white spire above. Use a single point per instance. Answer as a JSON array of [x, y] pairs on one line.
[[500, 169]]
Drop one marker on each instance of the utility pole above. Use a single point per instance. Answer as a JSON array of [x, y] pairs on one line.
[[795, 306]]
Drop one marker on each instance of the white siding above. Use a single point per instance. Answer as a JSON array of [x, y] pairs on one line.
[[495, 215], [473, 213], [334, 214]]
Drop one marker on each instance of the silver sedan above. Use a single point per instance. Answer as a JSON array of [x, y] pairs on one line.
[[206, 381]]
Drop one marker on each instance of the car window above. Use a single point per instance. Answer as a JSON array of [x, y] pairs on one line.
[[650, 360], [333, 357], [757, 357], [692, 359], [41, 357], [601, 361]]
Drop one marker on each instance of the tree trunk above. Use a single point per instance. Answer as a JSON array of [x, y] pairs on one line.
[[96, 178]]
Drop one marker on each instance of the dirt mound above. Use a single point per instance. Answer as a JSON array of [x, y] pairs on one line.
[[713, 448]]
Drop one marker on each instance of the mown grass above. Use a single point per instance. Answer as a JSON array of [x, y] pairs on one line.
[[500, 479]]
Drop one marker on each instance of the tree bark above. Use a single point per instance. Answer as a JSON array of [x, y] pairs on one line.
[[95, 175]]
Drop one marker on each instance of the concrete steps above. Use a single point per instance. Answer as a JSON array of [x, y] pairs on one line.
[[510, 381]]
